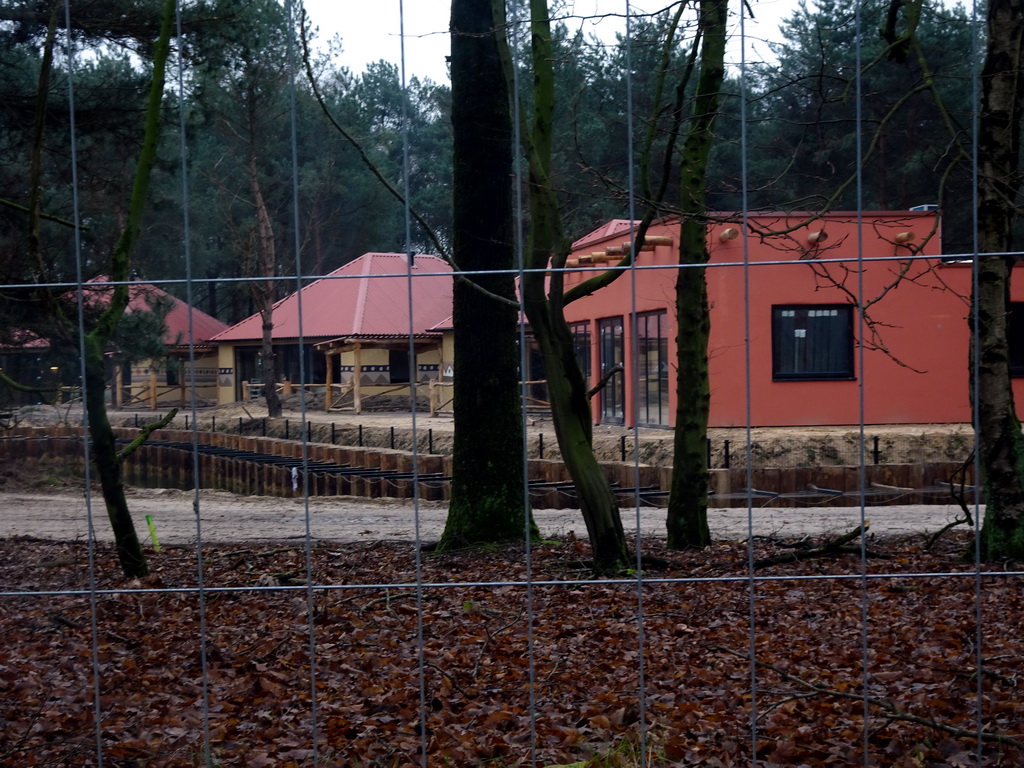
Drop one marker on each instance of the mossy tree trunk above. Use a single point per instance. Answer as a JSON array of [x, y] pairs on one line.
[[105, 454], [687, 514], [572, 420], [687, 519], [108, 464], [488, 503], [567, 392], [1001, 446]]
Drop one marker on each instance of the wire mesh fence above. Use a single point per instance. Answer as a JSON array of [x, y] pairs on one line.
[[272, 631]]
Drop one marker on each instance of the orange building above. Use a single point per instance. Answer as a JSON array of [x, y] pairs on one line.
[[796, 284]]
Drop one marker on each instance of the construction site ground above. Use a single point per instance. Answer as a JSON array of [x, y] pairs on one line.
[[47, 503]]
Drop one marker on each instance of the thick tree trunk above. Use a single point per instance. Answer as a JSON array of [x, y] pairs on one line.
[[488, 499], [1001, 446], [687, 516], [108, 465], [572, 420]]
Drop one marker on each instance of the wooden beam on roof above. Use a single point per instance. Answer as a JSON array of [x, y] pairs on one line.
[[616, 252], [658, 240], [398, 342]]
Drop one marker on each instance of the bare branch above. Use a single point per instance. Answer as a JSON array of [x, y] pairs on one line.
[[144, 434]]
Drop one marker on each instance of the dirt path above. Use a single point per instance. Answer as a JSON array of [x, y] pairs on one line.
[[226, 518]]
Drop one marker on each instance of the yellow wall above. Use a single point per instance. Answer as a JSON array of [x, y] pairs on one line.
[[138, 391], [374, 362], [225, 374]]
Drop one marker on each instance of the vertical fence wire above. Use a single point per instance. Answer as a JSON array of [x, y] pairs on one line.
[[634, 372], [515, 24], [76, 219], [748, 396], [976, 256], [858, 125], [863, 579], [421, 660], [183, 146], [292, 21]]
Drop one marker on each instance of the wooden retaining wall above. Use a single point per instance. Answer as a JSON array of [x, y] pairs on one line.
[[156, 465]]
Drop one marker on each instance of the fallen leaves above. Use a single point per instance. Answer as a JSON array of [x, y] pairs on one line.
[[472, 667]]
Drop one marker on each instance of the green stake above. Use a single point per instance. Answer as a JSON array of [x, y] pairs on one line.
[[152, 533]]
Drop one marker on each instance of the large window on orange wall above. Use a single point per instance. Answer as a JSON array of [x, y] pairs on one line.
[[611, 355], [652, 364], [812, 342]]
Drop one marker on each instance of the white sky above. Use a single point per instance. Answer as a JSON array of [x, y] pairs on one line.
[[370, 30]]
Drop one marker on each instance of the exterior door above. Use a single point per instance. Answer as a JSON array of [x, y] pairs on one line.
[[611, 346]]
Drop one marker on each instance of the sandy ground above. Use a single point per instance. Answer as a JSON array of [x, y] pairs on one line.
[[224, 517]]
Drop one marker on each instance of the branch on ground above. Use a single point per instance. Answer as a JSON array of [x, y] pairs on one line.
[[837, 546], [959, 478]]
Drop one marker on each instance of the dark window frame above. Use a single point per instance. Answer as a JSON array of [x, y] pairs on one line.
[[1015, 338], [399, 366], [800, 317], [652, 395], [611, 332], [581, 342]]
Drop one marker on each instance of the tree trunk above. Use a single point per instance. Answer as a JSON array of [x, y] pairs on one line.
[[265, 305], [544, 305], [263, 290], [1001, 446], [488, 501], [108, 465], [687, 516], [572, 420]]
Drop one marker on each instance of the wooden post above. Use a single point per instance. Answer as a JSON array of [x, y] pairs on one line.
[[357, 376], [329, 388], [245, 391], [182, 378], [152, 387], [119, 385]]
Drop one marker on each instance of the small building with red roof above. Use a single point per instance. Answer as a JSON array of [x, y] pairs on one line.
[[31, 360], [350, 331], [191, 356]]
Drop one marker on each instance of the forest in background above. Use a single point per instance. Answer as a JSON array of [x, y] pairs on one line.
[[800, 114]]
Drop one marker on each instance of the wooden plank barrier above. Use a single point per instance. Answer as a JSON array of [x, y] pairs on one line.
[[155, 464]]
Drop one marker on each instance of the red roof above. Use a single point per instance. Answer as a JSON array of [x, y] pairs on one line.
[[369, 296], [608, 229], [140, 296], [22, 338]]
